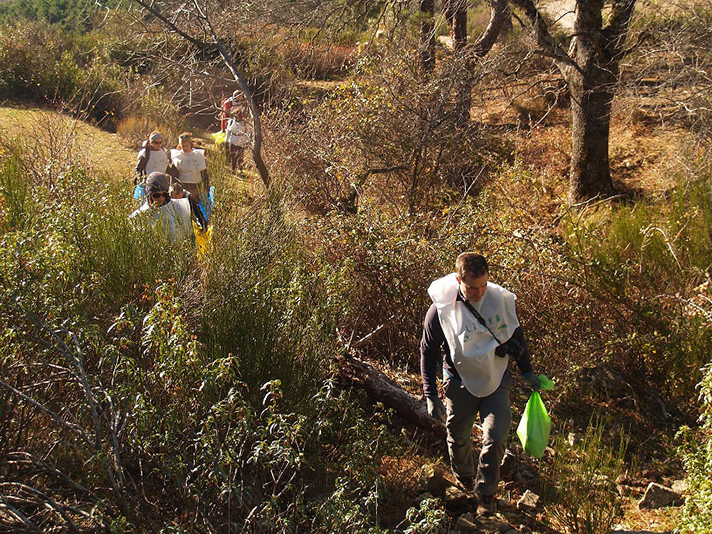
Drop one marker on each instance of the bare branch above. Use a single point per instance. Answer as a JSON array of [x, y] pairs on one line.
[[76, 431], [486, 41], [49, 501], [17, 514], [541, 35]]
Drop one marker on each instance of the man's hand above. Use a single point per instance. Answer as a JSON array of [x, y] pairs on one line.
[[532, 380], [436, 408]]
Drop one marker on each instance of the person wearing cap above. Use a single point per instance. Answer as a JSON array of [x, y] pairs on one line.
[[152, 157], [192, 167], [176, 214], [475, 322]]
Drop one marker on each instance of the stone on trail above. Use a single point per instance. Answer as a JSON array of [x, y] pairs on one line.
[[658, 496], [680, 486], [466, 523], [432, 479], [455, 497], [528, 502]]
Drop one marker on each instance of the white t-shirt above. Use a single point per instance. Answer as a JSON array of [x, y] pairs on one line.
[[189, 165], [238, 132], [157, 161]]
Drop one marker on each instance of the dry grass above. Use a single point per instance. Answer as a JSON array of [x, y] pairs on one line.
[[100, 150]]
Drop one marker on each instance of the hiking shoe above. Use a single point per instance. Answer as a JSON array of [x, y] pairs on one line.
[[486, 506]]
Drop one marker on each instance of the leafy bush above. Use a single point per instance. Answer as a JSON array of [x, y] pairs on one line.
[[43, 65], [67, 15], [186, 409], [428, 518], [581, 485], [696, 452]]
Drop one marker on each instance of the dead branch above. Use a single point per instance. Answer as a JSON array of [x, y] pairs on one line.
[[381, 388]]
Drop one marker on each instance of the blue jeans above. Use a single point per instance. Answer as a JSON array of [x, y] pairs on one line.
[[496, 417]]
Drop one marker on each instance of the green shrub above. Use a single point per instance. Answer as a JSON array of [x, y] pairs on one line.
[[428, 518], [265, 303], [581, 485], [67, 15], [696, 452], [651, 263], [18, 206], [42, 65], [210, 382]]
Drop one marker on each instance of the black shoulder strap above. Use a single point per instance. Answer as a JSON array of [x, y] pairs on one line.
[[479, 318]]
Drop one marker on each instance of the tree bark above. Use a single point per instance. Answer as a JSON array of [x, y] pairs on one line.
[[591, 100], [456, 17], [427, 35]]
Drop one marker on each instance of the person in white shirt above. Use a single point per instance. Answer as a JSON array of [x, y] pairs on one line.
[[152, 157], [475, 322], [192, 167], [175, 214], [237, 137]]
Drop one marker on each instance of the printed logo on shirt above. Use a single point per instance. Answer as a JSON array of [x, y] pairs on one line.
[[495, 323]]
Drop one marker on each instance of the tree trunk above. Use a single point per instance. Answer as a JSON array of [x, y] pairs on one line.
[[591, 69], [592, 83], [456, 17], [590, 174], [427, 35]]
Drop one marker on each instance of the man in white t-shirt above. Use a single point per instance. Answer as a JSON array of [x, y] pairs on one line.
[[475, 322]]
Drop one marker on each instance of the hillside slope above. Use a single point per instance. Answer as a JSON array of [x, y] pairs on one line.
[[101, 150]]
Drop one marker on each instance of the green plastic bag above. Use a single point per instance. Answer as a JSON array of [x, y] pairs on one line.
[[534, 428]]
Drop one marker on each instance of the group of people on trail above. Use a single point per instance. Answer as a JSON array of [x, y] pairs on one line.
[[173, 184], [473, 329]]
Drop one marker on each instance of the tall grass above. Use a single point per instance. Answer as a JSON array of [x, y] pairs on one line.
[[581, 484], [266, 305], [652, 261]]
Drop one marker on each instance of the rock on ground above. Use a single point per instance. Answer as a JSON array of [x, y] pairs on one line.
[[658, 496]]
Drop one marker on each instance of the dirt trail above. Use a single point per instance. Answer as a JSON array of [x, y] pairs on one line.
[[101, 150]]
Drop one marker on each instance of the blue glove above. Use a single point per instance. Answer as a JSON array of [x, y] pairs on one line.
[[532, 380], [436, 408]]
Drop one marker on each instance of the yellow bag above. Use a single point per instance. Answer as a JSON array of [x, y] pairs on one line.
[[219, 138], [202, 239]]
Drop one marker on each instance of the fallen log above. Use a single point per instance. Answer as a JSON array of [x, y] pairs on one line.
[[380, 387]]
